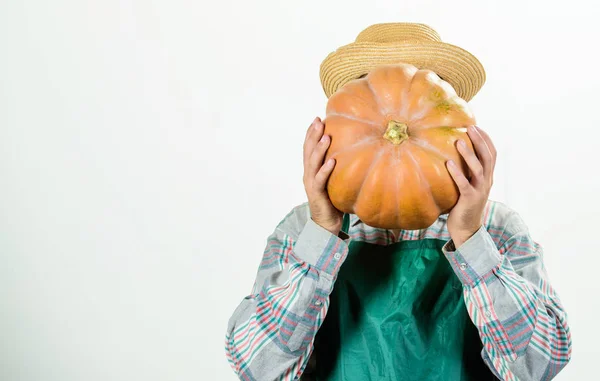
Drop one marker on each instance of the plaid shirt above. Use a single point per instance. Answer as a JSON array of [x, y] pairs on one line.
[[521, 321]]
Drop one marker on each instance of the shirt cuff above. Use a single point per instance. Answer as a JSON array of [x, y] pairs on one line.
[[321, 249], [475, 259]]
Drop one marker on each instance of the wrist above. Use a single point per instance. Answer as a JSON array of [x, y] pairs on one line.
[[333, 228], [460, 237]]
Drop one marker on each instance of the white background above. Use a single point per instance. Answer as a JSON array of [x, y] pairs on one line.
[[148, 148]]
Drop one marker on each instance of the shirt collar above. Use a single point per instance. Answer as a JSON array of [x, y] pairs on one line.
[[354, 220]]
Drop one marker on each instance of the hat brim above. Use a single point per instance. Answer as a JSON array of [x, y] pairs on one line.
[[453, 64]]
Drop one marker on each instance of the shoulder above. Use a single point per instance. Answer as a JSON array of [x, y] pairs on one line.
[[503, 222], [499, 213], [293, 223]]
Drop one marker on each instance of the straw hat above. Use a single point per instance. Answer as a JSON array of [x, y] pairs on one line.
[[415, 44]]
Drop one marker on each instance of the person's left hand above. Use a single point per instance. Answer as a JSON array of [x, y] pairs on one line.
[[466, 218]]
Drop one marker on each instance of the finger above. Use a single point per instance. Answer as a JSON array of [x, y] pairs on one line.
[[472, 161], [311, 128], [490, 144], [323, 175], [482, 150], [459, 178], [314, 133], [316, 158], [310, 132]]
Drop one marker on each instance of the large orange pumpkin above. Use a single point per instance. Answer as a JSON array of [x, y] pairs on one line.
[[392, 133]]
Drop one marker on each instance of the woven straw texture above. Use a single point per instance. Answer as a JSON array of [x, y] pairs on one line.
[[415, 44]]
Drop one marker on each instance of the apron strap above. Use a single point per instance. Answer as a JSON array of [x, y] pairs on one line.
[[346, 223]]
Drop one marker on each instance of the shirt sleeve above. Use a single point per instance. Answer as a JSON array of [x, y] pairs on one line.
[[271, 333], [521, 320]]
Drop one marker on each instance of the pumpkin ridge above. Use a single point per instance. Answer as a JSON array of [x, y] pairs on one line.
[[445, 106], [350, 117], [376, 98], [399, 176], [409, 96], [429, 147], [369, 173], [355, 146], [424, 108], [401, 108], [424, 180]]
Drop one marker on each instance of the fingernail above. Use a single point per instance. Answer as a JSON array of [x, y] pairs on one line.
[[451, 164], [330, 162], [462, 143], [324, 138]]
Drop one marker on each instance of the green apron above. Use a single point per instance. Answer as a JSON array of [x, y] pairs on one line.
[[397, 313]]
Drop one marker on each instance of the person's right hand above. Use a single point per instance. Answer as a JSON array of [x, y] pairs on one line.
[[316, 175]]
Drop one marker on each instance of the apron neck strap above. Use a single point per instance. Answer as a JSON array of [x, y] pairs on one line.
[[346, 223]]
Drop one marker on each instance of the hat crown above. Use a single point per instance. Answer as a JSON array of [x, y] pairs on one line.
[[398, 32], [409, 43]]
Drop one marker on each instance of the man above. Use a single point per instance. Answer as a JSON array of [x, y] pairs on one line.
[[466, 299]]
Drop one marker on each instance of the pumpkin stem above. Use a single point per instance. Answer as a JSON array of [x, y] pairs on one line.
[[396, 132]]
